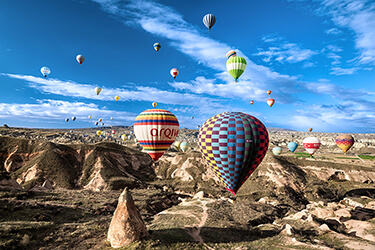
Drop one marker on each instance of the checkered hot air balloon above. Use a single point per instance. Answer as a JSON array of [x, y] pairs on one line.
[[233, 145], [311, 144], [156, 130], [236, 65], [345, 142]]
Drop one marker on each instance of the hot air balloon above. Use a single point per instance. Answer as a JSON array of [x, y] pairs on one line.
[[100, 120], [233, 145], [251, 102], [96, 123], [135, 140], [67, 119], [292, 146], [45, 71], [268, 92], [157, 46], [236, 66], [113, 131], [74, 118], [117, 98], [192, 117], [102, 124], [111, 118], [177, 144], [98, 90], [80, 59], [277, 150], [198, 126], [209, 20], [131, 131], [174, 72], [129, 137], [90, 117], [123, 137], [311, 144], [156, 130], [184, 146], [345, 142], [98, 132], [231, 53], [154, 104], [270, 102], [310, 129]]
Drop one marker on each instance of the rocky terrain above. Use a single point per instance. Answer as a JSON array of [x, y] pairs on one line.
[[58, 192]]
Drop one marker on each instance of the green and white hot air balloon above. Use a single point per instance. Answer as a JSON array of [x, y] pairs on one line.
[[236, 65]]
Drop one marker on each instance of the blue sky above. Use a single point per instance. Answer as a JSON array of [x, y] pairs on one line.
[[317, 57]]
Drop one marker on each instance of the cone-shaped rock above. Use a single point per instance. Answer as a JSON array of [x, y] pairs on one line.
[[127, 224]]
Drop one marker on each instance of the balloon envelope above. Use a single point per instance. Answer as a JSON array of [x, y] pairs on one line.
[[270, 102], [251, 102], [236, 66], [157, 46], [90, 117], [292, 146], [156, 130], [209, 20], [174, 72], [233, 145], [310, 129], [277, 150], [113, 131], [80, 59], [98, 132], [177, 145], [123, 137], [74, 118], [67, 119], [345, 142], [268, 92], [311, 144], [45, 71], [184, 146], [100, 119], [117, 98], [231, 53], [98, 90], [154, 104]]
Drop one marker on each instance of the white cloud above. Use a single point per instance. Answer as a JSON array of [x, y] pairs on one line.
[[343, 71], [333, 31]]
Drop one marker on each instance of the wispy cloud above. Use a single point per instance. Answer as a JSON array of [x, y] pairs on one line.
[[343, 71], [333, 31]]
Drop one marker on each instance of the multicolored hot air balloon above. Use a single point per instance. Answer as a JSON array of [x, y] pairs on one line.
[[277, 150], [270, 102], [269, 92], [98, 90], [98, 132], [157, 46], [45, 71], [251, 102], [231, 53], [292, 146], [156, 130], [174, 72], [310, 129], [117, 98], [154, 104], [184, 146], [345, 142], [80, 59], [177, 145], [311, 144], [236, 65], [233, 145], [209, 20]]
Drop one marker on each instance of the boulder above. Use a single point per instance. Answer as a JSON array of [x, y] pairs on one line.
[[127, 224]]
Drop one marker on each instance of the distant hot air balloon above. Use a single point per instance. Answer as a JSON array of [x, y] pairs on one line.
[[135, 140], [157, 46], [277, 150], [310, 129], [192, 117], [156, 130], [96, 123], [154, 104], [113, 131], [117, 98], [45, 71], [251, 102], [231, 53], [177, 145], [98, 132], [236, 65], [209, 20], [102, 124], [198, 126], [67, 119], [311, 144], [98, 90], [123, 137], [270, 102], [174, 72], [80, 59], [345, 142], [100, 120], [90, 117], [292, 146], [111, 118], [129, 137], [268, 92], [184, 146], [74, 118], [233, 145]]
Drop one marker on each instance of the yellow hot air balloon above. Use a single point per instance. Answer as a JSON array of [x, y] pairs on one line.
[[154, 104], [98, 132], [100, 120], [117, 98], [111, 118], [90, 117]]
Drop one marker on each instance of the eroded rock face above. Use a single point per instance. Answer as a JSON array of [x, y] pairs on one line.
[[127, 224]]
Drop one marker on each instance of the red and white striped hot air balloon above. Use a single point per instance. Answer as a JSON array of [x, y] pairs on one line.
[[311, 144]]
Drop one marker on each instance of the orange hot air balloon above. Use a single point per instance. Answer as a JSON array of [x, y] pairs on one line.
[[345, 142], [154, 104], [270, 102], [310, 129], [251, 102], [117, 98], [268, 92]]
